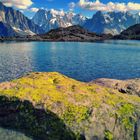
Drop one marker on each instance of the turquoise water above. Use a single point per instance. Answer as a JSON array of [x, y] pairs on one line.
[[82, 61]]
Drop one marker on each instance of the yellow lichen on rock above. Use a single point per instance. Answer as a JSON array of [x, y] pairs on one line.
[[80, 105]]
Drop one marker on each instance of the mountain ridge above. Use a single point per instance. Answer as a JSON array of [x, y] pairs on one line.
[[52, 19], [101, 23], [74, 33], [6, 30], [46, 20], [111, 22], [132, 33], [20, 23]]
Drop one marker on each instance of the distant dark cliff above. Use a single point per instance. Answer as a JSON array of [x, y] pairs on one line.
[[132, 32]]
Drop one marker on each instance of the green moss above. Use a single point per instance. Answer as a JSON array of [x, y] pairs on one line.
[[75, 114], [91, 89], [126, 115], [108, 135]]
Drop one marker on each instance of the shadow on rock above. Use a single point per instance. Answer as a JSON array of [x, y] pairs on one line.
[[38, 124]]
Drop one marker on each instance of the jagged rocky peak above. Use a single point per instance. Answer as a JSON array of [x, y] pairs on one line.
[[98, 13], [40, 13], [20, 23], [52, 19], [111, 22], [2, 7], [45, 20]]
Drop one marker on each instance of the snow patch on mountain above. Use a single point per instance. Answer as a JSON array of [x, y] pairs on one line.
[[111, 22], [52, 19]]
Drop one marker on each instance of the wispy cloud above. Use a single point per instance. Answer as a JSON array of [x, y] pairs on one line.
[[34, 9], [110, 6], [72, 6], [20, 4]]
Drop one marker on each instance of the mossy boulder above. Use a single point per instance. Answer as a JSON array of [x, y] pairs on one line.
[[87, 110]]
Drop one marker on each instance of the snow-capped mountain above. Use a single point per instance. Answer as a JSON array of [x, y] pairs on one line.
[[52, 19], [111, 22], [17, 22], [44, 20]]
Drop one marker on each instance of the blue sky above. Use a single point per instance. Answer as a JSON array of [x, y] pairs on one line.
[[59, 5], [85, 7]]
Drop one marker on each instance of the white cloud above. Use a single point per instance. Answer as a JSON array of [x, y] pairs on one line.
[[110, 6], [72, 6], [134, 6], [20, 4], [34, 9]]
